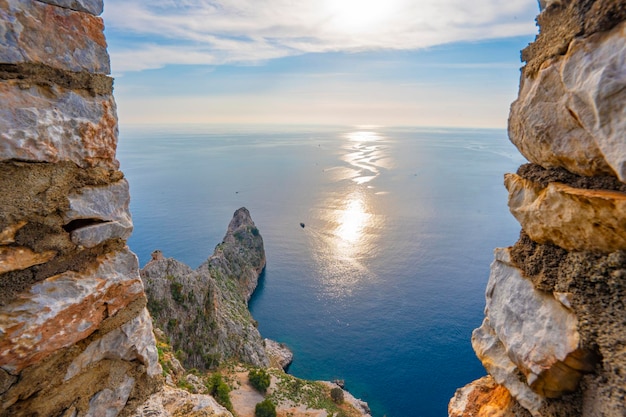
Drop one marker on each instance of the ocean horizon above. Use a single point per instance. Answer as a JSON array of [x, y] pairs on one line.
[[385, 282]]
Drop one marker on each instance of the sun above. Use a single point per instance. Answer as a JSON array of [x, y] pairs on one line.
[[360, 16]]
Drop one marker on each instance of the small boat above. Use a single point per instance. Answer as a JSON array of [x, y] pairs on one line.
[[302, 225]]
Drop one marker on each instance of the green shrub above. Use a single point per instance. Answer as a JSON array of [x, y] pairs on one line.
[[176, 288], [259, 379], [265, 408], [219, 390], [337, 395]]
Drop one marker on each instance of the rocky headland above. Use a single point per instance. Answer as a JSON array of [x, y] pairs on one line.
[[206, 325], [204, 312], [554, 335]]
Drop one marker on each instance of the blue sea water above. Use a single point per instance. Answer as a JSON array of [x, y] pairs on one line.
[[385, 283]]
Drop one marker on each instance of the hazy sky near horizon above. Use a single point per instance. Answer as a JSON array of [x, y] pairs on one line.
[[344, 62]]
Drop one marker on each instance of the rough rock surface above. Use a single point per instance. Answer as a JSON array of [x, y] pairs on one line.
[[536, 332], [174, 402], [278, 354], [57, 124], [75, 336], [204, 311], [554, 331], [571, 113], [37, 32], [483, 398], [573, 218]]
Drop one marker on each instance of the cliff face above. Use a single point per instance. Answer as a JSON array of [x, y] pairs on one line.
[[75, 336], [204, 312], [553, 335]]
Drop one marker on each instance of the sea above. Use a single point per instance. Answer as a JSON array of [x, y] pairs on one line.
[[378, 241]]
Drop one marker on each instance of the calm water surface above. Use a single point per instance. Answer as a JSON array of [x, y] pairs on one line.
[[385, 283]]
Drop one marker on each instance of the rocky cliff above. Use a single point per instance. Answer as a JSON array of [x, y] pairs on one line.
[[205, 311], [75, 336], [204, 315], [554, 335]]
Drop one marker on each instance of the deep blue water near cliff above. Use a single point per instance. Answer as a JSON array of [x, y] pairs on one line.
[[384, 284]]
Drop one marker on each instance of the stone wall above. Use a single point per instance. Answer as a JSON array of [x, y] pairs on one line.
[[554, 333], [75, 336]]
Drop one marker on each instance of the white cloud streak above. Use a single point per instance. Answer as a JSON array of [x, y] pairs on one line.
[[213, 32]]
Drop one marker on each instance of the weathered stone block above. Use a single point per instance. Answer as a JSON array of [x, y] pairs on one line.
[[494, 358], [107, 206], [132, 341], [36, 32], [16, 258], [94, 7], [66, 308], [572, 113], [482, 398], [573, 218], [529, 331], [7, 236], [109, 402], [55, 124]]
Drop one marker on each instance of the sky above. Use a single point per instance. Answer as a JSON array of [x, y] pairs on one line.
[[452, 63]]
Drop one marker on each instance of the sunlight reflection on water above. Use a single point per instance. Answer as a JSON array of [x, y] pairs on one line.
[[350, 227]]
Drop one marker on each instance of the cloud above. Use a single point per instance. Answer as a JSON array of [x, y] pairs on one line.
[[213, 32]]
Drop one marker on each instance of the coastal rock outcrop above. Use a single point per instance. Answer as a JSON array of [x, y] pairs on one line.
[[204, 312], [75, 335], [553, 335]]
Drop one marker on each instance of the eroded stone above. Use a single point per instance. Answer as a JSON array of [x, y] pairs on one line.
[[168, 401], [7, 236], [32, 31], [572, 218], [572, 113], [66, 308], [17, 258], [6, 381], [278, 354], [108, 204], [132, 341], [54, 124], [530, 331], [494, 358], [482, 398], [94, 7], [109, 402]]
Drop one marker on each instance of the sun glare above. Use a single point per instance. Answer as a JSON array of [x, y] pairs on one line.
[[352, 221], [360, 16]]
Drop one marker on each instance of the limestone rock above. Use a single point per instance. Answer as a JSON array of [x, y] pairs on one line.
[[494, 358], [66, 308], [482, 398], [279, 355], [529, 331], [16, 258], [6, 380], [37, 32], [7, 236], [571, 113], [572, 218], [107, 207], [360, 406], [109, 402], [52, 125], [90, 6], [170, 402], [132, 341], [204, 311], [241, 253]]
